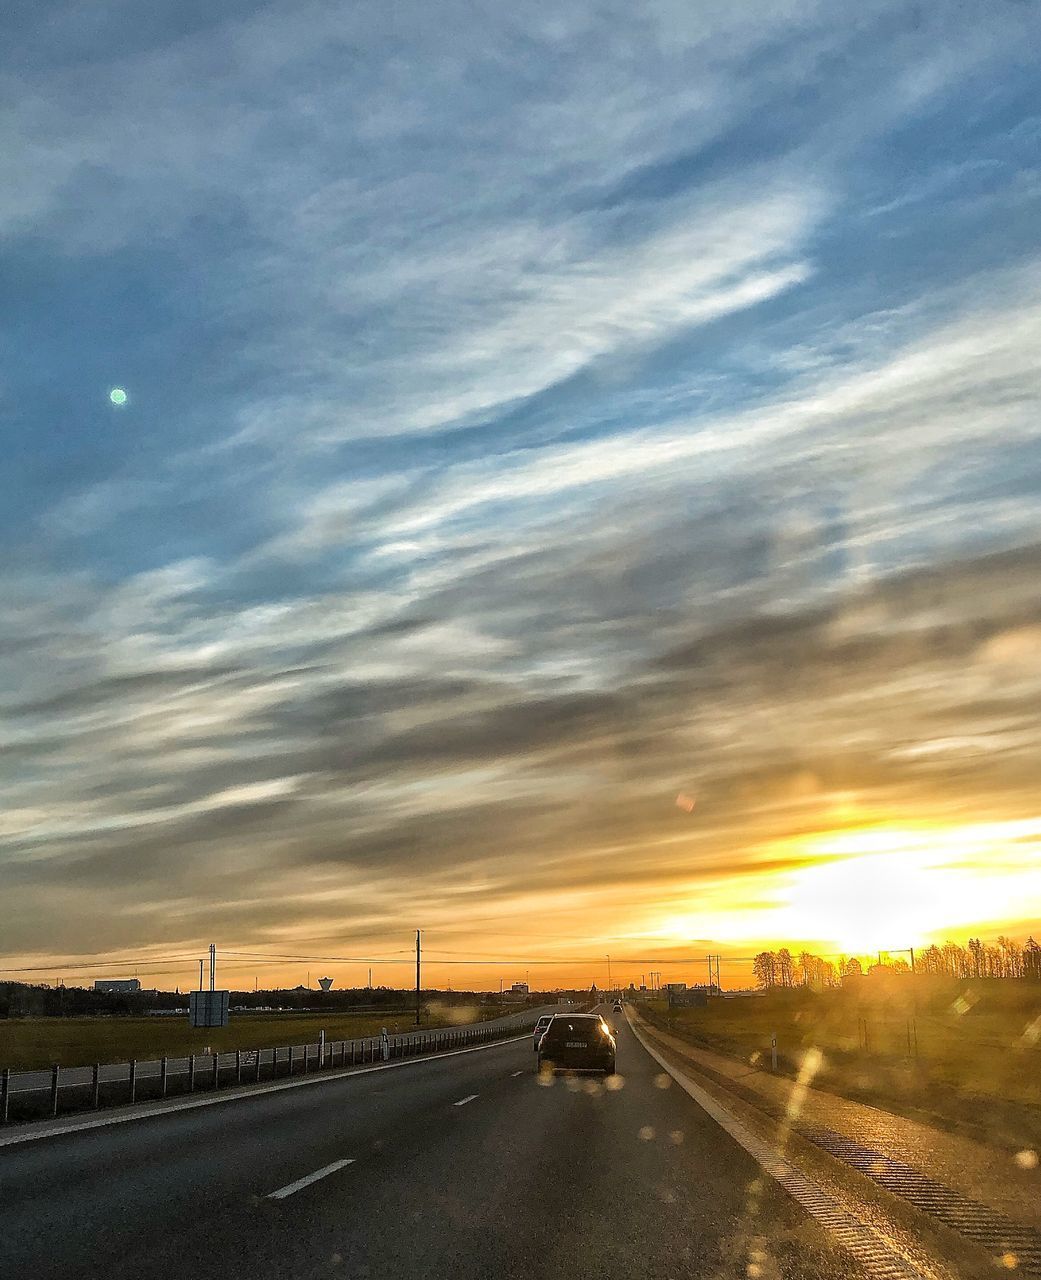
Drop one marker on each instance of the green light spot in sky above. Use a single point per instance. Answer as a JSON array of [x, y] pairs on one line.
[[117, 395]]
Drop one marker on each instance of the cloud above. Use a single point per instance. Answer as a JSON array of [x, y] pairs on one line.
[[531, 418]]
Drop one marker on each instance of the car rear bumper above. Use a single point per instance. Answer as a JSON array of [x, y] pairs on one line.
[[575, 1061]]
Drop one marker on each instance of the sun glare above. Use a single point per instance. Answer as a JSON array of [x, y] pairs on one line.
[[883, 888], [875, 888]]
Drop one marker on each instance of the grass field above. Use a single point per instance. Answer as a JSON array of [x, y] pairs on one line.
[[966, 1051], [72, 1042]]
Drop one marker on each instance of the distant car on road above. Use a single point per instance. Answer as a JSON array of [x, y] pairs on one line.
[[618, 1006], [541, 1026], [577, 1042]]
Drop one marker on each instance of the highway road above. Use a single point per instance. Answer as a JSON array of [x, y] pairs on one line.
[[456, 1167]]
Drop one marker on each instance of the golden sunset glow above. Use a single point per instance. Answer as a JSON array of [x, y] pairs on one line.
[[872, 889]]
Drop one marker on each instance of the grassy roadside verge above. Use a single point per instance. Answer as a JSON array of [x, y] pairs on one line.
[[951, 1055], [29, 1043]]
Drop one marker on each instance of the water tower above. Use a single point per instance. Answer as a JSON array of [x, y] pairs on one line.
[[325, 983]]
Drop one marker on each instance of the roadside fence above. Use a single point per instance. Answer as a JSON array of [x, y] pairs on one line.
[[53, 1091]]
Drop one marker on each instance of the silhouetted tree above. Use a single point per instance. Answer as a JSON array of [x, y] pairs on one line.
[[785, 968], [764, 966], [1011, 958]]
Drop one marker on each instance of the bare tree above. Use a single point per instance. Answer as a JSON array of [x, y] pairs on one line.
[[764, 966], [785, 968]]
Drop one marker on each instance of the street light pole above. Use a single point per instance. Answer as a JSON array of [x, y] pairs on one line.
[[417, 976], [610, 984]]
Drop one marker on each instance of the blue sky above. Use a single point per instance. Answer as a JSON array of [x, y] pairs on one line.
[[531, 415]]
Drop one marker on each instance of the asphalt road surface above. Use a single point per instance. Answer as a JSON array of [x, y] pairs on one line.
[[464, 1166]]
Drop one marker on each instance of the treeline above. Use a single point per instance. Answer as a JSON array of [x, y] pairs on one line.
[[1004, 959], [36, 1000]]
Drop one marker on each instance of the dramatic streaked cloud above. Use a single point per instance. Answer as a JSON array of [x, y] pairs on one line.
[[530, 418]]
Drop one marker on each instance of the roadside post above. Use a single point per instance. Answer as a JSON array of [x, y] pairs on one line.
[[54, 1089], [95, 1087], [385, 1039], [5, 1093], [773, 1052], [164, 1076], [321, 1050], [133, 1079]]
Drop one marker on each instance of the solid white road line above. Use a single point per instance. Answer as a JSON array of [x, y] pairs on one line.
[[463, 1101], [881, 1257], [300, 1183], [519, 1073], [147, 1110]]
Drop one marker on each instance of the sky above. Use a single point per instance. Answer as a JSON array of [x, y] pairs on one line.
[[576, 489]]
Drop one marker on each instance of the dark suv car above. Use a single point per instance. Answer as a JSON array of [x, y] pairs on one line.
[[577, 1042]]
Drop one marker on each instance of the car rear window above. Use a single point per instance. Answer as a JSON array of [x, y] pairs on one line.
[[585, 1029]]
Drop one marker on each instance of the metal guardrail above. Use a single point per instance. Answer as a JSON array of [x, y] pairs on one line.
[[32, 1095]]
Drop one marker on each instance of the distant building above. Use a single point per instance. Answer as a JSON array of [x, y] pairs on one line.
[[113, 985], [520, 988], [680, 996]]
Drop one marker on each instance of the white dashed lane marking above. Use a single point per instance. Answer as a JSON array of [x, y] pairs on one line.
[[300, 1183], [463, 1101]]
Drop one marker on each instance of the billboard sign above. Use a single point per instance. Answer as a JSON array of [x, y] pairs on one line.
[[208, 1008]]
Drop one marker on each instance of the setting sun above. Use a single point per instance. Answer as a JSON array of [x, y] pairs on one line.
[[879, 888], [868, 889]]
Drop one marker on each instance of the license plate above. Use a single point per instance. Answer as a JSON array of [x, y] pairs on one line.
[[576, 1044]]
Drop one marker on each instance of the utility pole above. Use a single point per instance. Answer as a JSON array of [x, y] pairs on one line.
[[370, 979], [911, 949], [418, 953], [213, 965], [201, 963], [610, 984]]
